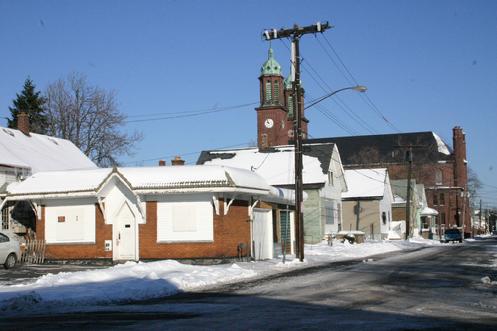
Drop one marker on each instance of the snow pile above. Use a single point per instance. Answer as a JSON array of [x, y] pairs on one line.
[[423, 241], [343, 251], [130, 281], [487, 280], [139, 281]]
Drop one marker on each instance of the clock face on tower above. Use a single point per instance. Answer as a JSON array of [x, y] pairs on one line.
[[268, 123]]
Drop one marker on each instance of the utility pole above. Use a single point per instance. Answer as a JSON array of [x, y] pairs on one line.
[[408, 194], [479, 225], [409, 159], [295, 33]]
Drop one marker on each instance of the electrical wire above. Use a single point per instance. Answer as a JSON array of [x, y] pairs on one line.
[[193, 113], [350, 77], [182, 154], [316, 77]]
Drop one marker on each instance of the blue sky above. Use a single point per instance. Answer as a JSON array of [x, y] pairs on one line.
[[428, 66]]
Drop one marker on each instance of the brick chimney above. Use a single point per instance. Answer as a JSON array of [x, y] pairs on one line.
[[178, 161], [23, 122], [162, 163], [461, 166]]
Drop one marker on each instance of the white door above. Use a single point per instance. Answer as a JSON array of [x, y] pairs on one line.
[[262, 231], [125, 228]]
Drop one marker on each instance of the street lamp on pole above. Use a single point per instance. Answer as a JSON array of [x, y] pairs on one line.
[[358, 88]]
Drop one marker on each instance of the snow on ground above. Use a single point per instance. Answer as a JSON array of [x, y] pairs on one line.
[[135, 281]]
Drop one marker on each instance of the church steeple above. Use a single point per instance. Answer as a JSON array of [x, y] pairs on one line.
[[271, 114], [275, 113], [271, 67]]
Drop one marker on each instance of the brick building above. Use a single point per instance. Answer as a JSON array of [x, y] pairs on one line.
[[442, 169], [274, 115], [188, 212]]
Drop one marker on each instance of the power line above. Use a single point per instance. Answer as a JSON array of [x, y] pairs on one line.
[[350, 77], [193, 114], [337, 100], [182, 154]]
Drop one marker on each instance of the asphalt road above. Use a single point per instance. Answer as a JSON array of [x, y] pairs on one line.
[[431, 289]]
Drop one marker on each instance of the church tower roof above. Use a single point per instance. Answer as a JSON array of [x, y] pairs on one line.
[[271, 67]]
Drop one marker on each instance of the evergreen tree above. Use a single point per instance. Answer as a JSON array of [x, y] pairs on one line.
[[31, 102]]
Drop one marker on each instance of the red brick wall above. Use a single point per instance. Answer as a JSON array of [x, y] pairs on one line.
[[78, 251], [40, 224], [424, 173], [229, 231], [275, 135], [460, 169]]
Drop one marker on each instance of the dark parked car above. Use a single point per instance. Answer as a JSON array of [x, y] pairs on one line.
[[452, 235]]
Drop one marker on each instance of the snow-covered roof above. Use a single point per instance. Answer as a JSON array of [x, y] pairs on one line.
[[60, 182], [365, 183], [277, 167], [397, 199], [427, 211], [142, 180], [442, 147], [39, 152]]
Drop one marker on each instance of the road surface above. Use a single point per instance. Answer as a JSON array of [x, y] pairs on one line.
[[431, 289]]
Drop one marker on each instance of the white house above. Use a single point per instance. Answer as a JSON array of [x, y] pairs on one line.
[[157, 212], [323, 178], [23, 153], [367, 205]]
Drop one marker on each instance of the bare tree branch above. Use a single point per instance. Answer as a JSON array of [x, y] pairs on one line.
[[88, 116]]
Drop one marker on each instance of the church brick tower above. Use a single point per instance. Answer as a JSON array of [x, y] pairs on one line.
[[275, 113]]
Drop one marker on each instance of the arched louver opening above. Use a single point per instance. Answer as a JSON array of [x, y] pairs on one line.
[[268, 95]]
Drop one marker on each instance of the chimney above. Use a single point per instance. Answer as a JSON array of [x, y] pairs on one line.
[[23, 122], [177, 161], [459, 146], [162, 163]]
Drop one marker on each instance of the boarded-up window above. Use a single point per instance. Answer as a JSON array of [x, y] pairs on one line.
[[184, 219], [70, 222]]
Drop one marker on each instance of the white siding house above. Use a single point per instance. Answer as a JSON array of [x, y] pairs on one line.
[[24, 154], [368, 202]]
